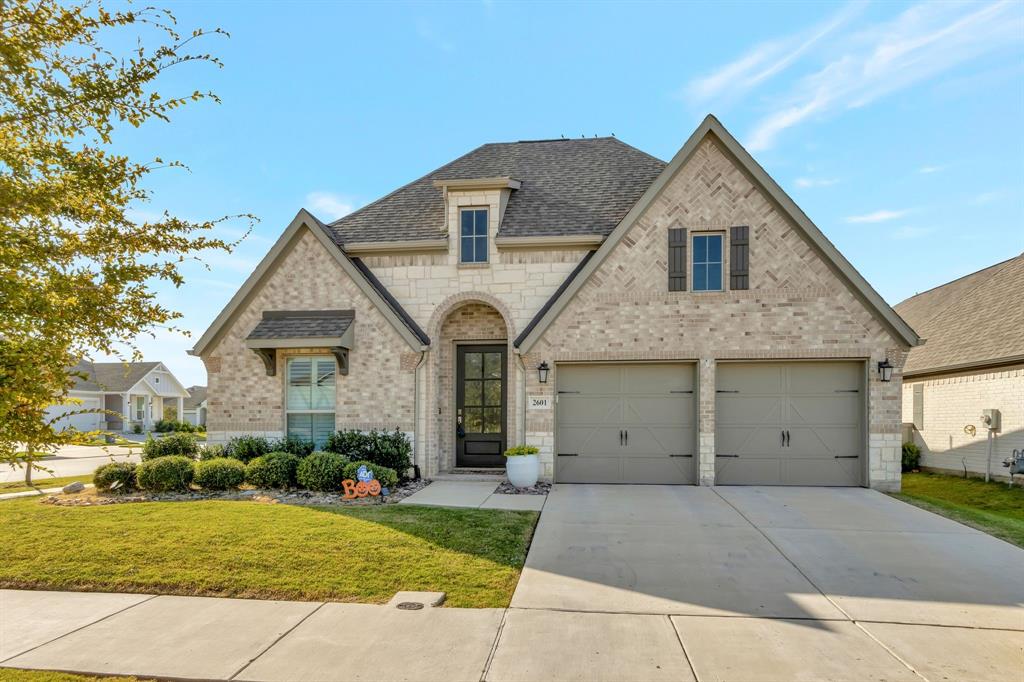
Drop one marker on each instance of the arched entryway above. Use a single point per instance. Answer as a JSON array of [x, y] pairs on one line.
[[474, 398]]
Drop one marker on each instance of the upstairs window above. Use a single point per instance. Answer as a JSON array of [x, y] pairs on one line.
[[707, 262], [473, 236]]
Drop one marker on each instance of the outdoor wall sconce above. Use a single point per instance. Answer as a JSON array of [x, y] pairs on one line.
[[542, 372], [885, 370]]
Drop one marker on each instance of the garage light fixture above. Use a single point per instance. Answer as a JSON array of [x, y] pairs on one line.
[[885, 370], [542, 372]]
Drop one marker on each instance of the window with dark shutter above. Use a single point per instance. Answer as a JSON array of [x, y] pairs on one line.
[[739, 258], [677, 259]]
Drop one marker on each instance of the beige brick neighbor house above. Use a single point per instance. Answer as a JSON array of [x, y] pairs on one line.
[[637, 321], [973, 361]]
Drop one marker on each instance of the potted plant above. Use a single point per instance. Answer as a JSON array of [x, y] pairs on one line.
[[522, 465]]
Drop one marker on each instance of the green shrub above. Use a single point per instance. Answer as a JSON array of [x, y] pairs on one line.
[[137, 428], [387, 477], [293, 445], [211, 452], [167, 425], [522, 450], [166, 473], [273, 470], [911, 457], [321, 471], [247, 448], [221, 473], [117, 477], [183, 444], [383, 448]]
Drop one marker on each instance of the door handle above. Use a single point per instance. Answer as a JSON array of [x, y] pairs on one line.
[[627, 438], [787, 438], [620, 438], [782, 438]]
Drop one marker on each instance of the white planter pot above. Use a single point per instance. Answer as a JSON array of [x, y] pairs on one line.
[[522, 471]]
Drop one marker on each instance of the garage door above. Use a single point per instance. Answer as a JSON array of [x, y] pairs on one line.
[[625, 423], [80, 422], [789, 423]]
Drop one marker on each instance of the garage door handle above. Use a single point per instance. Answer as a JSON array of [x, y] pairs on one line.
[[680, 391], [680, 455], [847, 456], [620, 438], [726, 455], [721, 391], [560, 392], [568, 454]]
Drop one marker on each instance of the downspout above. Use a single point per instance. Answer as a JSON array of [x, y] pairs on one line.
[[416, 433]]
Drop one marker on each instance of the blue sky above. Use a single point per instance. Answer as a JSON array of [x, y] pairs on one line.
[[895, 126]]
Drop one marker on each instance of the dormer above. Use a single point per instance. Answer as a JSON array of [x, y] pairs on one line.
[[474, 209]]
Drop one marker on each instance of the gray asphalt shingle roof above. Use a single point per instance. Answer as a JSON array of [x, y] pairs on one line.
[[296, 324], [197, 394], [110, 376], [569, 187], [972, 320]]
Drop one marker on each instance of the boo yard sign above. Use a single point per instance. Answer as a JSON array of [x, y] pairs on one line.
[[366, 485]]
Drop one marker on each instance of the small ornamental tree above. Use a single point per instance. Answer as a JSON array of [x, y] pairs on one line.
[[76, 270]]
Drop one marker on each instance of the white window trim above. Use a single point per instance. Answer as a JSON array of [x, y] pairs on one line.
[[692, 254], [287, 373], [487, 236]]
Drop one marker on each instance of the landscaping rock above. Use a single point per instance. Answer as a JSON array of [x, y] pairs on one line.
[[75, 487], [506, 488]]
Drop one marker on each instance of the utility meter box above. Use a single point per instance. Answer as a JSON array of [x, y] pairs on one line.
[[990, 418]]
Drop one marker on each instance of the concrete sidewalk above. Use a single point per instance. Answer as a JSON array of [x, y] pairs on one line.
[[474, 495]]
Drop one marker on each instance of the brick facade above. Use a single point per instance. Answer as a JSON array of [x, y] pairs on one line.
[[953, 401]]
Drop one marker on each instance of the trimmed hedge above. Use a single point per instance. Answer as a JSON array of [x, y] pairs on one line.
[[294, 446], [211, 452], [221, 473], [273, 470], [387, 477], [173, 472], [177, 444], [247, 448], [382, 448], [121, 473], [166, 425], [911, 457], [321, 471]]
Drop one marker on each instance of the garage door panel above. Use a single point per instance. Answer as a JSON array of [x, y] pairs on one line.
[[622, 423], [594, 410], [653, 379], [743, 410], [753, 378], [657, 410], [818, 405]]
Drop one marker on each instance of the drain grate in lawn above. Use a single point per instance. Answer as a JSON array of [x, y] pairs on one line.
[[251, 550]]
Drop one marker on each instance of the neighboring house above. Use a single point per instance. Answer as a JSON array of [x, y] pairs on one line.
[[638, 321], [135, 392], [195, 406], [973, 360]]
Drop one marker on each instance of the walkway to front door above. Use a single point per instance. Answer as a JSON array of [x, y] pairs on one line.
[[481, 399]]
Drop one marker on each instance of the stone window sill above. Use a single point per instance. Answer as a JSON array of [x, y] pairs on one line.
[[473, 266]]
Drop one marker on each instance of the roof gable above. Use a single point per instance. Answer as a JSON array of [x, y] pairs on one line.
[[972, 321], [742, 159], [566, 187], [304, 220]]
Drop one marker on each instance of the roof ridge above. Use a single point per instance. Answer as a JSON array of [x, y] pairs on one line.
[[969, 274]]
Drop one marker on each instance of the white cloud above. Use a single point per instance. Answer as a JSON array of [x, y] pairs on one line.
[[877, 216], [922, 42], [765, 60], [911, 232], [329, 205], [816, 182], [931, 169], [985, 198]]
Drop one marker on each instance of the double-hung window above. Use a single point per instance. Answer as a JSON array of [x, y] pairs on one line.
[[310, 398], [707, 262], [473, 235]]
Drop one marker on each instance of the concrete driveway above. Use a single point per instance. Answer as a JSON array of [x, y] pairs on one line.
[[74, 460], [760, 584]]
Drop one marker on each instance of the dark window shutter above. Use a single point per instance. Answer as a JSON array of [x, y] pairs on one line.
[[739, 258], [919, 407], [677, 259]]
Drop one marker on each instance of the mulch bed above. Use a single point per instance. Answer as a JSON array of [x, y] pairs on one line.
[[90, 498]]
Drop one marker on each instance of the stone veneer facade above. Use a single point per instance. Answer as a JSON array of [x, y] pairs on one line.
[[796, 308]]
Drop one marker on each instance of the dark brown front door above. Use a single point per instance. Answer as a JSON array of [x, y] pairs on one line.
[[480, 398]]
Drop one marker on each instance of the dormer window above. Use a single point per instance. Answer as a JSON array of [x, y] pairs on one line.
[[473, 235]]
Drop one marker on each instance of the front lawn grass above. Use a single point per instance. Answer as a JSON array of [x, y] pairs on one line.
[[991, 507], [41, 481], [17, 675], [264, 551]]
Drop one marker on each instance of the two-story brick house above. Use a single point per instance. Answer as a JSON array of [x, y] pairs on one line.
[[638, 321]]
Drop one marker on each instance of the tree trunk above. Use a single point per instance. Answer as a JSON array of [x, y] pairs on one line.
[[28, 465]]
